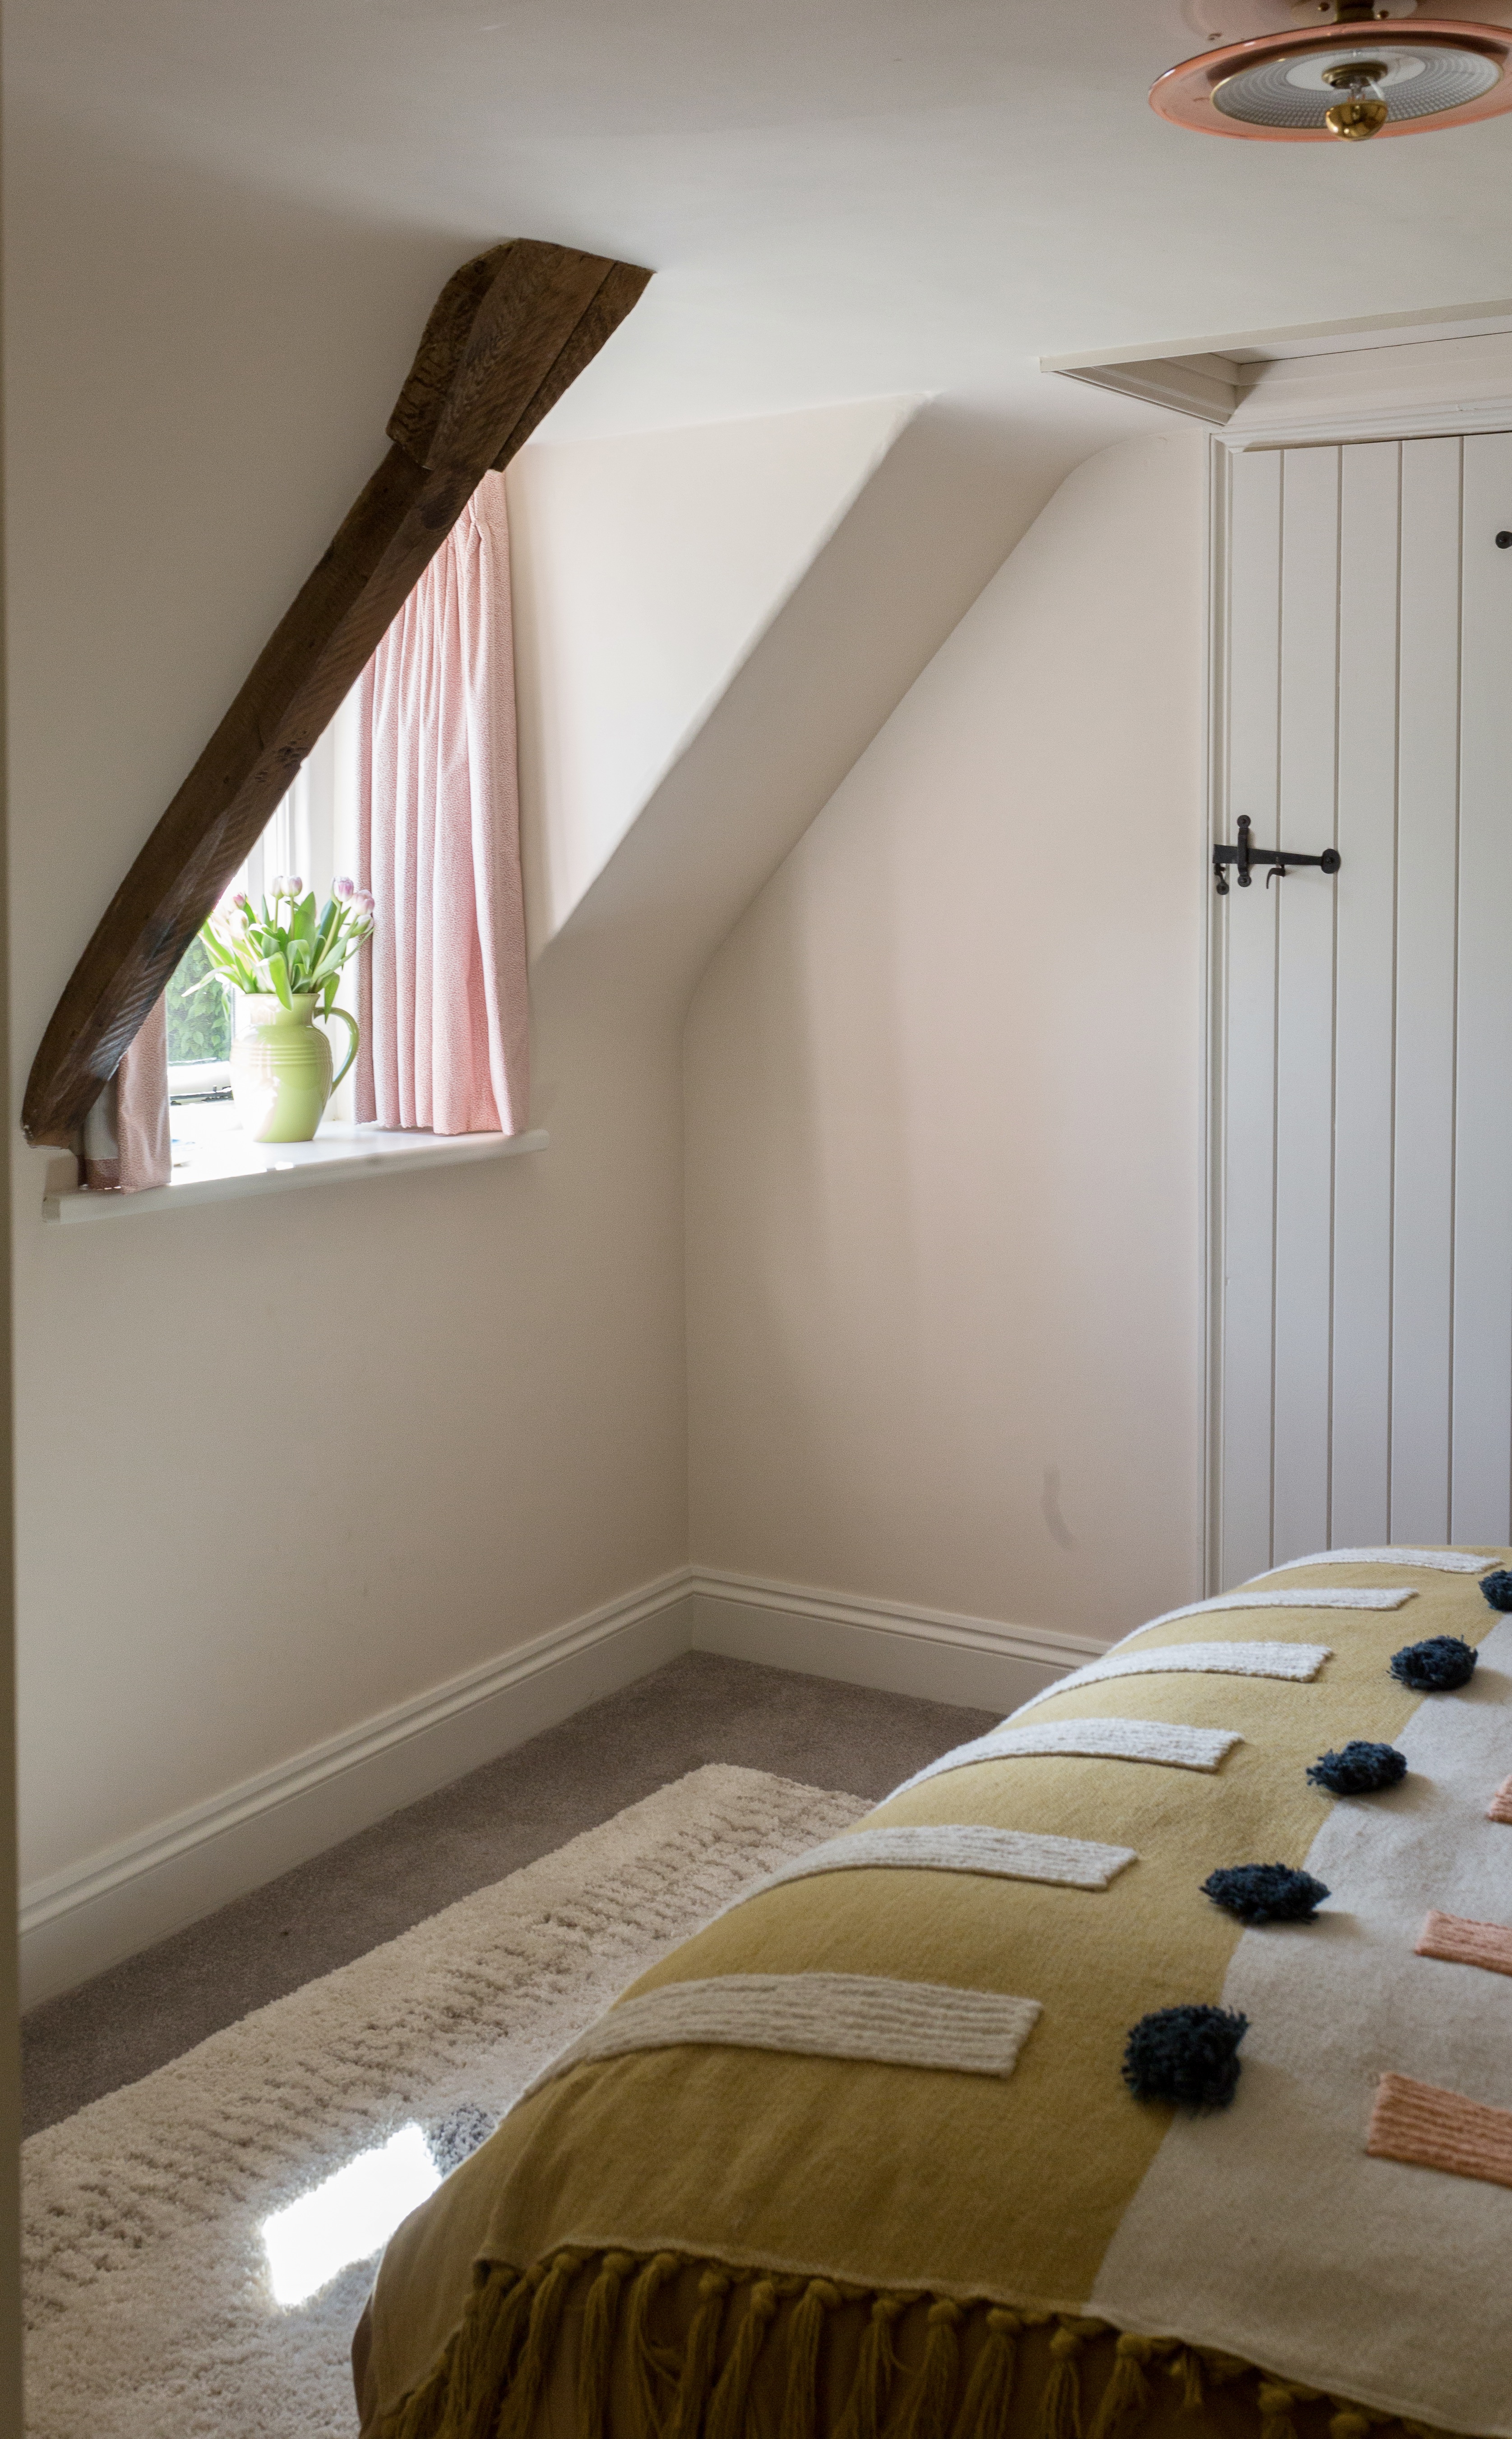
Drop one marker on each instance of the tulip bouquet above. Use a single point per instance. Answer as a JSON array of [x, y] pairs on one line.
[[285, 947]]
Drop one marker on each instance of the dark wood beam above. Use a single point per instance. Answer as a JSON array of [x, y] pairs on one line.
[[506, 337]]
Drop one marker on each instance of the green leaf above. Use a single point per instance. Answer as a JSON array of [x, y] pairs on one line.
[[278, 976], [332, 963], [198, 1029]]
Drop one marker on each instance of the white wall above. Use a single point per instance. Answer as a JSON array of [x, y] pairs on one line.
[[944, 1098], [645, 569], [286, 1465]]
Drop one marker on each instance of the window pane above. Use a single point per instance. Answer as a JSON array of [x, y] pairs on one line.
[[198, 1027]]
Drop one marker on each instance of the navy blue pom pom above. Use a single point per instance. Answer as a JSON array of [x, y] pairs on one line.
[[1265, 1891], [1498, 1588], [1186, 2055], [1435, 1666], [1360, 1768]]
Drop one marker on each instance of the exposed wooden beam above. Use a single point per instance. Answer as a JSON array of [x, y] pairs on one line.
[[506, 337]]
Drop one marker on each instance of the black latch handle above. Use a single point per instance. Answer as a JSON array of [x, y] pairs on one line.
[[1280, 860]]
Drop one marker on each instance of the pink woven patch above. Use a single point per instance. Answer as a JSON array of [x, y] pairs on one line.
[[1500, 1808], [1428, 2127], [1459, 1941]]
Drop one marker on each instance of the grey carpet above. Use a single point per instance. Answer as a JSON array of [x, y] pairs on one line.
[[700, 1708]]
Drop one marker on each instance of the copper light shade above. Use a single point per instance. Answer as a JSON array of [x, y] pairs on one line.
[[1356, 78]]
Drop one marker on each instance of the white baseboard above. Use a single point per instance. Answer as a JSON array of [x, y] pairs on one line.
[[892, 1645], [92, 1913]]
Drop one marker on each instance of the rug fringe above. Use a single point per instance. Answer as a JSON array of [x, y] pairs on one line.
[[633, 2383]]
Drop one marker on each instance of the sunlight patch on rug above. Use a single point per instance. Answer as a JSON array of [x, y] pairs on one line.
[[150, 2304], [350, 2218]]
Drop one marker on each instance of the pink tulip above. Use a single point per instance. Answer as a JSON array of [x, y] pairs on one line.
[[364, 900], [342, 887]]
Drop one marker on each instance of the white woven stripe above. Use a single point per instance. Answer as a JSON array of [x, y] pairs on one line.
[[957, 1846], [1156, 1740], [814, 2015], [1327, 1596], [1299, 1661], [1447, 1563]]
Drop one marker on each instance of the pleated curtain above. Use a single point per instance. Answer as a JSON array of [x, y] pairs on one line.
[[126, 1146], [443, 996]]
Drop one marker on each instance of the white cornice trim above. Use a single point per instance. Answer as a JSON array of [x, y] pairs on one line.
[[1439, 421]]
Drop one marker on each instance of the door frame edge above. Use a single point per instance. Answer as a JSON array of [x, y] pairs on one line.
[[1220, 460]]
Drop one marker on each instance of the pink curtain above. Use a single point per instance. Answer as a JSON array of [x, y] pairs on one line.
[[442, 989], [127, 1142]]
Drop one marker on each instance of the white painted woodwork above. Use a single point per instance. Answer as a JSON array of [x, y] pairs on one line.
[[1481, 1417], [79, 1920], [1249, 1147], [1365, 1075]]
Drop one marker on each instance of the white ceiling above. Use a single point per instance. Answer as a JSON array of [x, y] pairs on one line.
[[841, 198]]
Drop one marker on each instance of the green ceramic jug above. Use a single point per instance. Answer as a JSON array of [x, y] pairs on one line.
[[282, 1066]]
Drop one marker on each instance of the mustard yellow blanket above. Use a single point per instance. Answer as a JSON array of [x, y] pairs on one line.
[[698, 2236]]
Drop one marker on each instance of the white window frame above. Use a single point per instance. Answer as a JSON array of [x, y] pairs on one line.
[[313, 830]]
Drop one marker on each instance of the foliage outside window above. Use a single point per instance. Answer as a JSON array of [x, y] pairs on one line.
[[199, 1027]]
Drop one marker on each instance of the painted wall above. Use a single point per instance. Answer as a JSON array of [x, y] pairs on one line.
[[944, 1151], [286, 1464]]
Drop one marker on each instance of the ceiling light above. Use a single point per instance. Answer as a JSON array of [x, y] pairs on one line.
[[1349, 79]]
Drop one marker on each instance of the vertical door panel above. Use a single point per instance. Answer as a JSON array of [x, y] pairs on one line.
[[1247, 1167], [1365, 989], [1427, 851], [1481, 1441], [1367, 1027], [1304, 921]]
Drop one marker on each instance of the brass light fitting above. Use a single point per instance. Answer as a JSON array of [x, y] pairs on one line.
[[1332, 78], [1362, 108]]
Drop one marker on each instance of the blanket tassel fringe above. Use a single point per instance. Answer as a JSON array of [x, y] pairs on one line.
[[755, 2328]]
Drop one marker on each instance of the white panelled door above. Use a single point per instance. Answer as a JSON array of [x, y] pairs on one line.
[[1364, 1349]]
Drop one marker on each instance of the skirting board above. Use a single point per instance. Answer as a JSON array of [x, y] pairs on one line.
[[888, 1644], [91, 1915]]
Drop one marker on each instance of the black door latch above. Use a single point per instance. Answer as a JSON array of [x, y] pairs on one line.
[[1279, 859]]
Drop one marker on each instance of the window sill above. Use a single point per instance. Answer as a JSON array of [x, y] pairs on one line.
[[233, 1168]]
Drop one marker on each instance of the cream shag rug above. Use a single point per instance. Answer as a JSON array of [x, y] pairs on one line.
[[149, 2312]]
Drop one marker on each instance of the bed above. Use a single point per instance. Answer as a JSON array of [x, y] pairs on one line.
[[874, 2155]]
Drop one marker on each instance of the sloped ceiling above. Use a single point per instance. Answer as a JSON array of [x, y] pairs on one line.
[[914, 549], [841, 198], [645, 569]]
